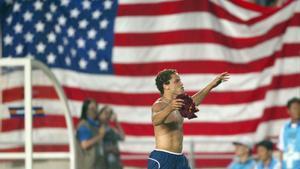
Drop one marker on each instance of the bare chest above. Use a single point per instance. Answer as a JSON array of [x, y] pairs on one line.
[[174, 117]]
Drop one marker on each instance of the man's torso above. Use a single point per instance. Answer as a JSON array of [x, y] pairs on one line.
[[169, 135]]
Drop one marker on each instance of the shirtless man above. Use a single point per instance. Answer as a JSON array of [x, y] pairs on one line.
[[168, 122]]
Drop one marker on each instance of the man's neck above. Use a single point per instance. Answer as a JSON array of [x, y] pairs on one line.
[[267, 161], [295, 121], [244, 158], [168, 96]]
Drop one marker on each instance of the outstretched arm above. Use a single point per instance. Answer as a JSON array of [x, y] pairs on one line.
[[199, 96]]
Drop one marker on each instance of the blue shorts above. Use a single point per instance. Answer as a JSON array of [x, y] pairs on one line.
[[161, 159]]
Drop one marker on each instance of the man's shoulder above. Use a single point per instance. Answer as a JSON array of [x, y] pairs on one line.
[[159, 100], [286, 124], [234, 164], [158, 104], [250, 163]]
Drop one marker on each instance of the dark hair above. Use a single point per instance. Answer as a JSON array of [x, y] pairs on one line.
[[163, 77], [266, 144], [293, 100], [103, 109], [85, 107]]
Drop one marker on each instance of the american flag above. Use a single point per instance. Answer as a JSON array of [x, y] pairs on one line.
[[111, 51], [77, 36]]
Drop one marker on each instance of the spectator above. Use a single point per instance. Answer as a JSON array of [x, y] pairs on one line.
[[88, 136], [265, 156], [113, 134], [243, 152], [289, 139], [272, 3]]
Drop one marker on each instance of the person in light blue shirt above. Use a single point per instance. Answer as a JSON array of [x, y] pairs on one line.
[[289, 139], [265, 156], [243, 151]]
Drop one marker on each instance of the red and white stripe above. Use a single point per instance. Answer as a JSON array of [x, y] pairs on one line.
[[260, 49]]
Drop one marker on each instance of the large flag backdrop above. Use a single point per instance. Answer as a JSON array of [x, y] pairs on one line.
[[111, 51]]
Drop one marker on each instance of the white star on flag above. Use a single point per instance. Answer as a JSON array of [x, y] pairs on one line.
[[92, 54], [82, 63], [96, 14], [8, 2], [51, 37], [101, 44], [65, 2], [57, 29], [103, 65], [80, 43], [18, 28], [53, 8], [39, 27], [60, 49], [83, 24], [62, 20], [27, 16], [73, 52], [16, 7], [74, 13], [48, 16], [51, 58], [92, 34], [8, 40], [86, 4], [65, 41], [29, 55], [104, 24], [107, 4], [68, 61], [19, 49], [28, 37], [9, 20], [40, 48], [38, 5], [71, 32]]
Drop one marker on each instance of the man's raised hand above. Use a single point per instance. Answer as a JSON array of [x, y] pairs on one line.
[[223, 77]]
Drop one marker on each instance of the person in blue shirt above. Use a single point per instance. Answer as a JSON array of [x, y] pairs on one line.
[[243, 152], [289, 138], [265, 156], [88, 138]]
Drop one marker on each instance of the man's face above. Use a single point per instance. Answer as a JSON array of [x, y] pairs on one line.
[[263, 154], [175, 86], [294, 111], [241, 150]]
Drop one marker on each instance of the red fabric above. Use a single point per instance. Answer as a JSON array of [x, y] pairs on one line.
[[189, 108]]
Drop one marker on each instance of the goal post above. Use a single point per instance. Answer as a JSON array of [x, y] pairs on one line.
[[28, 155]]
